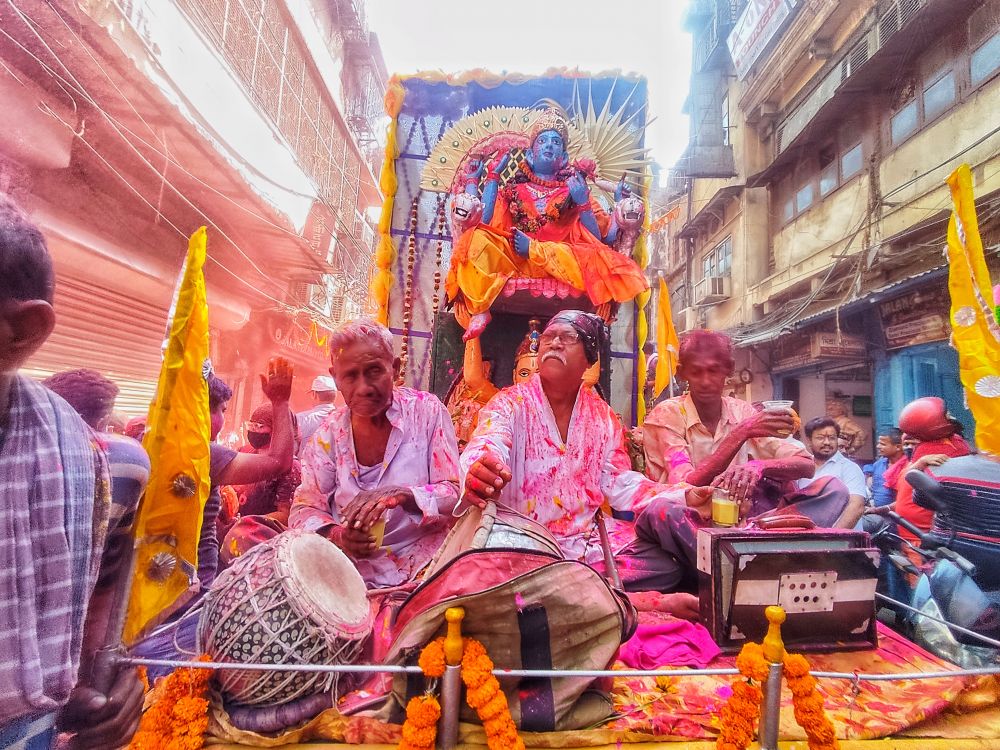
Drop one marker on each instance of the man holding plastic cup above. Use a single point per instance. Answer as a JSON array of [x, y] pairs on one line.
[[705, 438]]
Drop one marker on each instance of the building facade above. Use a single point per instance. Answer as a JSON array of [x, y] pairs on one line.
[[127, 125], [816, 207]]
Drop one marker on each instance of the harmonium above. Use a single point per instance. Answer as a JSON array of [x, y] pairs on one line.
[[823, 578]]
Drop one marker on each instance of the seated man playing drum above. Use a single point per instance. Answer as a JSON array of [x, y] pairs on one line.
[[380, 474], [554, 451]]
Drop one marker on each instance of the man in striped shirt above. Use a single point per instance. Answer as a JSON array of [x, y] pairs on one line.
[[55, 492]]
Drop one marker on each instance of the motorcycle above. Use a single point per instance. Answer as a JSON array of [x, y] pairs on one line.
[[961, 581]]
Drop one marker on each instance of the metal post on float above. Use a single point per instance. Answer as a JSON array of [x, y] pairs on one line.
[[774, 654], [451, 682]]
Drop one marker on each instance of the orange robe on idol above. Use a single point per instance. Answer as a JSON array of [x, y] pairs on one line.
[[562, 248]]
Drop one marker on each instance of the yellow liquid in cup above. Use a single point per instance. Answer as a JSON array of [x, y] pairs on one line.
[[377, 531], [725, 512]]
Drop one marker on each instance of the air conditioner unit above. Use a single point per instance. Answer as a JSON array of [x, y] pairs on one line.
[[687, 320], [712, 290]]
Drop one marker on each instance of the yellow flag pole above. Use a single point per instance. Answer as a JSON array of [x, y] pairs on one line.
[[104, 666]]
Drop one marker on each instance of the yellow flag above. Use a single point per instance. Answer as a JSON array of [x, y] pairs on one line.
[[975, 333], [168, 524], [667, 344]]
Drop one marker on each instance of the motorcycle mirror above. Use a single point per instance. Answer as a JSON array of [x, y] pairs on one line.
[[927, 491]]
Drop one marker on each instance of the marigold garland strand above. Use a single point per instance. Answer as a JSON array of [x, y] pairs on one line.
[[482, 693], [741, 713], [178, 719]]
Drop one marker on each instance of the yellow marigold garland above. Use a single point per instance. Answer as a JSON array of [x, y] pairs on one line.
[[740, 715], [482, 693], [178, 719]]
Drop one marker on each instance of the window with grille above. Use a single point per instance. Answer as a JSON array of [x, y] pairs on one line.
[[268, 57]]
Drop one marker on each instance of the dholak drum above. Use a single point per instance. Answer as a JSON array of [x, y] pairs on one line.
[[493, 527], [295, 599]]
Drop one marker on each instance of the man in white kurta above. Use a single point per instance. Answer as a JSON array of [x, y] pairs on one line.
[[554, 451], [561, 485], [412, 484]]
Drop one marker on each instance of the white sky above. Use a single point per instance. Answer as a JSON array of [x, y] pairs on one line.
[[641, 36]]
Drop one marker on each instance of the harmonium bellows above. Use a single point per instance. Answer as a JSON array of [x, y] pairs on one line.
[[824, 579]]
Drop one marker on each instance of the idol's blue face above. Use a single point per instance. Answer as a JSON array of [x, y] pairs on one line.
[[547, 152]]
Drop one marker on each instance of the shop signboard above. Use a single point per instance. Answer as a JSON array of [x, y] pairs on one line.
[[918, 317], [800, 349], [794, 350], [755, 28], [833, 345]]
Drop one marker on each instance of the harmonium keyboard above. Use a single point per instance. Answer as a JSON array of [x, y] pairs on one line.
[[823, 578]]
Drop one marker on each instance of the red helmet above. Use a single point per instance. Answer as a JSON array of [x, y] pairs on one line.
[[926, 419]]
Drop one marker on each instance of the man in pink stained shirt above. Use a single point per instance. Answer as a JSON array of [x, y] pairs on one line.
[[704, 438], [388, 454], [554, 451]]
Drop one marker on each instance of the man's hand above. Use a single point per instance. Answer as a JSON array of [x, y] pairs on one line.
[[485, 479], [354, 542], [578, 189], [369, 506], [700, 499], [684, 606], [741, 481], [935, 459], [100, 720], [277, 384], [882, 510], [762, 424]]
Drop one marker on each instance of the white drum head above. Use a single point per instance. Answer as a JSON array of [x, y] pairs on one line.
[[327, 586]]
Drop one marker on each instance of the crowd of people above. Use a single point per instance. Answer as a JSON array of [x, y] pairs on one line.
[[375, 468]]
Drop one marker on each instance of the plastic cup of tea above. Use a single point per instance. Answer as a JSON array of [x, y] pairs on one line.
[[725, 510], [377, 531], [777, 405]]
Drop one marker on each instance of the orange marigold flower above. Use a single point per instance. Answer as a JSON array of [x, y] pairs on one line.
[[796, 665], [496, 706], [432, 658], [480, 696], [420, 736], [751, 662]]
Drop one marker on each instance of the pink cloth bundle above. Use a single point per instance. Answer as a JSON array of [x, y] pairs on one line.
[[670, 643]]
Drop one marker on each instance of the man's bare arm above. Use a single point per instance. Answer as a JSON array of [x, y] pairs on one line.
[[248, 468]]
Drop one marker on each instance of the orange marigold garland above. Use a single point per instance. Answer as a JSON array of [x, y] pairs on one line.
[[424, 711], [808, 704], [740, 715], [483, 693], [420, 728], [178, 719]]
